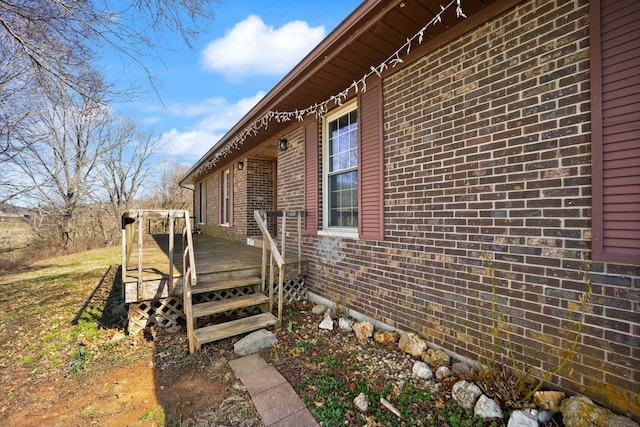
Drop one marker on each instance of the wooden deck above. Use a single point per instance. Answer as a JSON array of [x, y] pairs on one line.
[[224, 290], [211, 256]]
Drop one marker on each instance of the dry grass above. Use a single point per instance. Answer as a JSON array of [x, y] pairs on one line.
[[48, 306], [61, 365], [14, 233]]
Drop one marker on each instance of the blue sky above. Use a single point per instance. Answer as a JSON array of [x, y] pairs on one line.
[[248, 48]]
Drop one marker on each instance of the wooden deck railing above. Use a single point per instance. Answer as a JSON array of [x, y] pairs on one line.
[[133, 224], [277, 254]]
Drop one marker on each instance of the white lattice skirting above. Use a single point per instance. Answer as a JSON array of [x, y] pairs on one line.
[[294, 290], [149, 314], [169, 311]]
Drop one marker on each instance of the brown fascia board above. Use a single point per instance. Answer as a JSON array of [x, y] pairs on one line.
[[365, 15]]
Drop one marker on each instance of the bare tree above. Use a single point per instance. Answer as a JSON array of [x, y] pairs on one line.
[[122, 173], [15, 109], [56, 37], [45, 43], [165, 192], [69, 137]]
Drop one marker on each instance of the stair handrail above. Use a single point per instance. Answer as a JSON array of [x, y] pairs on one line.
[[270, 244], [189, 279]]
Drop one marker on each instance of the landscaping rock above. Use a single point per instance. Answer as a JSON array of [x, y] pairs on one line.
[[386, 337], [319, 309], [345, 324], [118, 336], [461, 368], [422, 371], [549, 400], [436, 358], [580, 411], [544, 417], [526, 418], [443, 372], [487, 409], [361, 402], [327, 324], [255, 342], [363, 330], [411, 343], [466, 394]]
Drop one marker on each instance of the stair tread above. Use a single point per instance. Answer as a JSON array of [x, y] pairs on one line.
[[220, 306], [234, 327], [222, 284]]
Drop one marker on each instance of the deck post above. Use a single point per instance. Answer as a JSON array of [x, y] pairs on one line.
[[140, 244], [171, 244], [271, 276], [299, 213], [284, 232], [263, 269], [280, 293], [123, 269]]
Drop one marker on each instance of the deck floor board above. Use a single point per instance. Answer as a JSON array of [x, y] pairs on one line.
[[211, 255]]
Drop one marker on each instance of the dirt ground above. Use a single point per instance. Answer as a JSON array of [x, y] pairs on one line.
[[162, 386], [58, 308]]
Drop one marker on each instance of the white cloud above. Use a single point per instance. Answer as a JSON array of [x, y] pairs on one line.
[[218, 116], [190, 144], [151, 120], [253, 48]]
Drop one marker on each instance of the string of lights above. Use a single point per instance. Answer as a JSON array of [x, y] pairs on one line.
[[320, 109]]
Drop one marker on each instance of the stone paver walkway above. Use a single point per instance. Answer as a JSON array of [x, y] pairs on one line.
[[274, 398]]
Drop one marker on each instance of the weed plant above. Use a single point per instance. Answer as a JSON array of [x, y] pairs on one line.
[[511, 383], [330, 389]]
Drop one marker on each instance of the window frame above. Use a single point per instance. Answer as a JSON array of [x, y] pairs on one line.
[[327, 229], [225, 197], [202, 203]]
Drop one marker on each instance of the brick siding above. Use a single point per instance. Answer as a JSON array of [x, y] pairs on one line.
[[260, 193], [252, 190], [487, 144]]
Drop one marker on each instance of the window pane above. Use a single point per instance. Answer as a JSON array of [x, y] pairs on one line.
[[225, 197], [343, 142], [343, 190]]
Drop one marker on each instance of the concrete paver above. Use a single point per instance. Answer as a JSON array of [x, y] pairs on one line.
[[274, 398]]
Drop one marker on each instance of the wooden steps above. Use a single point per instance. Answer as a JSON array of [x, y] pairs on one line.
[[228, 304], [237, 294], [221, 285], [234, 327]]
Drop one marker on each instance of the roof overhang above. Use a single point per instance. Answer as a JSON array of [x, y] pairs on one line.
[[368, 37]]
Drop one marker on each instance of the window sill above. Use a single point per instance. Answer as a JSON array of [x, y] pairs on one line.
[[336, 232]]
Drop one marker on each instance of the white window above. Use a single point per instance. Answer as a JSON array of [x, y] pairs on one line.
[[340, 169], [202, 203], [226, 196]]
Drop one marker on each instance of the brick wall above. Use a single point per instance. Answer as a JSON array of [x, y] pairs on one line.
[[487, 143], [252, 190], [212, 226], [260, 192], [291, 172], [240, 202], [291, 181]]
